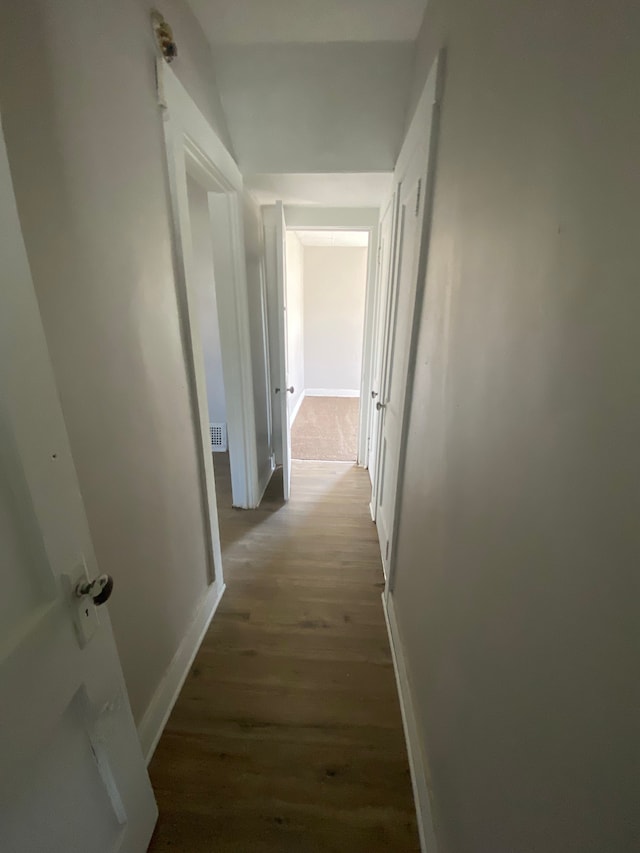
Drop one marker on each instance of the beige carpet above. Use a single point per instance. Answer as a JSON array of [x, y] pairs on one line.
[[326, 428]]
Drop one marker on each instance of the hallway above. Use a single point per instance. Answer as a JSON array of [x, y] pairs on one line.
[[287, 735]]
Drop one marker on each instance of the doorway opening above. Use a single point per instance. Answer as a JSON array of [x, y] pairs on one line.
[[207, 313], [205, 191], [326, 282], [320, 311]]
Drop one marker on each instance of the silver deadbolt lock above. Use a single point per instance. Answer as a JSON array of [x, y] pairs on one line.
[[98, 590]]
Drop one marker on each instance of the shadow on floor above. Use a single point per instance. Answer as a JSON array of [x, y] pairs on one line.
[[272, 502]]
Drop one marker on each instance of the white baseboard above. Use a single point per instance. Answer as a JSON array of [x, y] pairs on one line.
[[332, 392], [294, 413], [161, 705], [412, 737]]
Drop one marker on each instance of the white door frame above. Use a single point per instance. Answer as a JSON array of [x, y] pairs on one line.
[[423, 131], [191, 144], [366, 380]]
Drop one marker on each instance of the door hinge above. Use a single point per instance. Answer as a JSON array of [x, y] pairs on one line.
[[386, 552], [418, 195]]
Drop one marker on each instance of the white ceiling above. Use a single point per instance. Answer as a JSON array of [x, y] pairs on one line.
[[360, 189], [347, 239], [281, 21]]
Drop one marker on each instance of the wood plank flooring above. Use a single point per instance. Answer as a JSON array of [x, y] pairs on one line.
[[287, 735]]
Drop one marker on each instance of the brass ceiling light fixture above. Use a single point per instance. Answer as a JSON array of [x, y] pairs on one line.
[[164, 36]]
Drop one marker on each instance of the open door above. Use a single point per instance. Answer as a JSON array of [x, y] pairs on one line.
[[413, 179], [385, 270], [390, 404], [282, 389], [73, 776], [276, 264]]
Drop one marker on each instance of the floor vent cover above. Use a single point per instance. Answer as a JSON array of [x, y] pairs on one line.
[[218, 437]]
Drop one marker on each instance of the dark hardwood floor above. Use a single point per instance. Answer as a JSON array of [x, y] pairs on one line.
[[287, 734]]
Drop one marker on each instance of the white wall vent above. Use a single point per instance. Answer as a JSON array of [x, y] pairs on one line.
[[218, 437]]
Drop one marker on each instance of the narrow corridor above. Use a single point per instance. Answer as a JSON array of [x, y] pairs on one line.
[[287, 735]]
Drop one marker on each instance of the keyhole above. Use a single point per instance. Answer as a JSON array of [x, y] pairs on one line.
[[86, 612]]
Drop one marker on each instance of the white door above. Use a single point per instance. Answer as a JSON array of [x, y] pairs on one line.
[[283, 389], [406, 283], [385, 268], [72, 778]]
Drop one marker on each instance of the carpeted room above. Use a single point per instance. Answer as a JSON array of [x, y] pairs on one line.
[[326, 285]]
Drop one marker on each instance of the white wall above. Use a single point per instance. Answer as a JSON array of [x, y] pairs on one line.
[[316, 216], [206, 299], [85, 141], [336, 107], [295, 320], [518, 546], [335, 281]]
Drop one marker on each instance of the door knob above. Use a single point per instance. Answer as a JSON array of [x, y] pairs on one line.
[[99, 590], [374, 394], [291, 389], [380, 406]]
